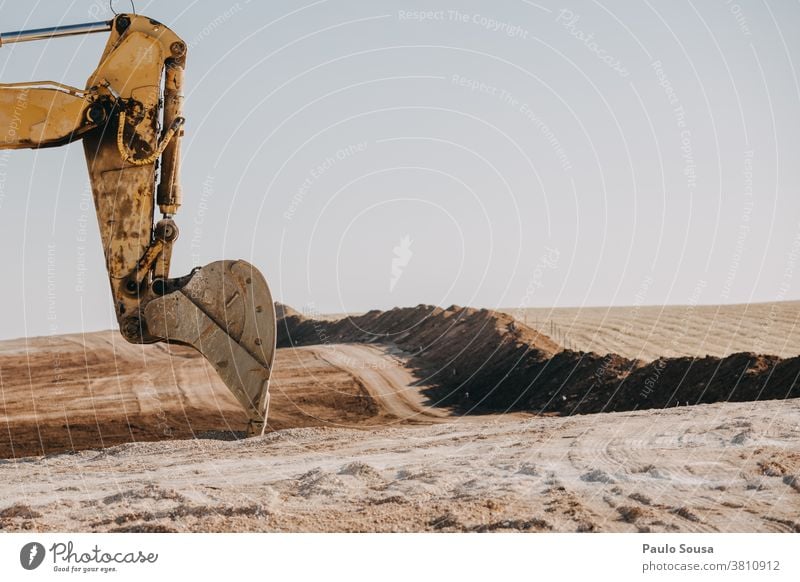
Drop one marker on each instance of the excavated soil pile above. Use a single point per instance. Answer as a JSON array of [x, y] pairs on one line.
[[485, 361], [79, 391]]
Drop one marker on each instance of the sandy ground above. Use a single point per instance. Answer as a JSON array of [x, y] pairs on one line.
[[95, 390], [140, 438], [650, 332], [720, 467]]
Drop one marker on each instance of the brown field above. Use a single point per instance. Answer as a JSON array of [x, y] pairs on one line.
[[650, 332]]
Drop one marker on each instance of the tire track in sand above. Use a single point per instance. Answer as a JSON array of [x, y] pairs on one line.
[[385, 377]]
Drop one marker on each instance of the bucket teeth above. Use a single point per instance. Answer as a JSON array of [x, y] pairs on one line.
[[226, 313]]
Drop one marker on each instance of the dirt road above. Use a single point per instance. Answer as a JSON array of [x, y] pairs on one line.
[[723, 467], [382, 372]]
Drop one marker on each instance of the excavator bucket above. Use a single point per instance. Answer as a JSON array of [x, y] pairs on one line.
[[226, 313]]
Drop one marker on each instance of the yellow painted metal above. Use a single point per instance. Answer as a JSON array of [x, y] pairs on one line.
[[41, 115]]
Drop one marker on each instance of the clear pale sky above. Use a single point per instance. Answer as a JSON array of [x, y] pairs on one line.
[[372, 154]]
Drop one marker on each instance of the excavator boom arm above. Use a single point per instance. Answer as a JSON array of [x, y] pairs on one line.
[[42, 115], [224, 310]]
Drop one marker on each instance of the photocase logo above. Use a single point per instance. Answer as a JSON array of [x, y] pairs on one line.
[[402, 256], [31, 555]]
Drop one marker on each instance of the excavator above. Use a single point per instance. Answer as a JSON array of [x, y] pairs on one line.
[[129, 118]]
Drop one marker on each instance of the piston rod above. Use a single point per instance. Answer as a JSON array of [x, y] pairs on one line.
[[54, 31]]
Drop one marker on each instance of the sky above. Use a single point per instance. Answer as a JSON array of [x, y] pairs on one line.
[[375, 154]]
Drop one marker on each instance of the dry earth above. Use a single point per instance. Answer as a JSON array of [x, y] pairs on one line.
[[720, 467], [358, 447], [650, 332], [75, 392], [484, 361]]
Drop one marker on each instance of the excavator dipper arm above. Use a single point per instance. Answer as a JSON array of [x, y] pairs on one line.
[[224, 310]]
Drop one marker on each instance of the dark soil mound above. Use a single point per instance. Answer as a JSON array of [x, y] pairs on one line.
[[282, 311], [485, 361]]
